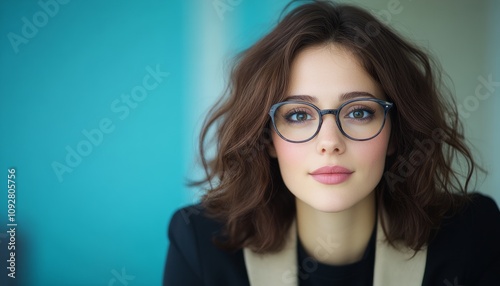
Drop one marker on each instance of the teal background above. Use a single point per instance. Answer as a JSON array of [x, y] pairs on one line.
[[109, 215]]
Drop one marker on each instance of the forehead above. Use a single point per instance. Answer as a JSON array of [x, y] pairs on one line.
[[327, 72]]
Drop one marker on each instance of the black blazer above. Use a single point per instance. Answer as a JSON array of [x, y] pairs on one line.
[[465, 251]]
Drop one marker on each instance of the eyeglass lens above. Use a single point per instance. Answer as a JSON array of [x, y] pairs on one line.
[[359, 120]]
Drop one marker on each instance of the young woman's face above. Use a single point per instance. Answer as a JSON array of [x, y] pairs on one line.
[[327, 74]]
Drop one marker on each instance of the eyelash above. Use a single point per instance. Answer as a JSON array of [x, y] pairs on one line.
[[361, 108], [293, 112], [368, 114]]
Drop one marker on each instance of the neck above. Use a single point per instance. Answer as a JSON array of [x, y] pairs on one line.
[[336, 238]]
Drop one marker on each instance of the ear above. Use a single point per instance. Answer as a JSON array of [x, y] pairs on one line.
[[271, 150]]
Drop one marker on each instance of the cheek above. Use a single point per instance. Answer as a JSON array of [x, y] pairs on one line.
[[290, 155], [285, 150], [371, 154]]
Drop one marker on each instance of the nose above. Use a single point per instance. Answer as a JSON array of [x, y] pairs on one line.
[[330, 139]]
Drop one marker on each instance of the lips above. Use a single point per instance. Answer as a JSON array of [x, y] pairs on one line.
[[331, 175]]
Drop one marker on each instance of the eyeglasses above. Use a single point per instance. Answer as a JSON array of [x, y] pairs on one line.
[[358, 119]]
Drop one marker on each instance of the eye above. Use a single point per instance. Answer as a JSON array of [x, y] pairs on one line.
[[360, 114], [298, 116]]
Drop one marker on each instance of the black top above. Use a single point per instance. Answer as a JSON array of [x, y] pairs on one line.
[[314, 273], [465, 250]]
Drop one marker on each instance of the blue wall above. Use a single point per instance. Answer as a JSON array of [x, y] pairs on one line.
[[94, 116]]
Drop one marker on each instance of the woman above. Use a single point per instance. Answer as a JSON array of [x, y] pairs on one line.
[[334, 166]]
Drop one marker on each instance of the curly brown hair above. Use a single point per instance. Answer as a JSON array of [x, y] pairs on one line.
[[245, 188]]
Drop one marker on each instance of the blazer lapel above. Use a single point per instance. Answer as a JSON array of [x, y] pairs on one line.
[[393, 267], [274, 269], [397, 266]]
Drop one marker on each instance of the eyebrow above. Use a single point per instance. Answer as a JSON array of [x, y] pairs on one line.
[[343, 97], [355, 94], [306, 98]]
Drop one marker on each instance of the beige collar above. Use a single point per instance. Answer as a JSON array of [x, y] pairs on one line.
[[393, 267]]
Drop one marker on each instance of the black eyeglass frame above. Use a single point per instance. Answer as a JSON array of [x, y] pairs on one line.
[[385, 104]]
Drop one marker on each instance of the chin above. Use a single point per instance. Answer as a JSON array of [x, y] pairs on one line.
[[331, 205], [329, 202]]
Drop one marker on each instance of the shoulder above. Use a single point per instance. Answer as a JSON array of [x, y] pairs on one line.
[[191, 220], [479, 216], [191, 233], [466, 247], [192, 226]]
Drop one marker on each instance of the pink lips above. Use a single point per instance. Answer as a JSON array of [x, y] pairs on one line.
[[331, 175]]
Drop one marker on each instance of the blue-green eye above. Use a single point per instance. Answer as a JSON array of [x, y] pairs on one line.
[[360, 114], [298, 116]]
